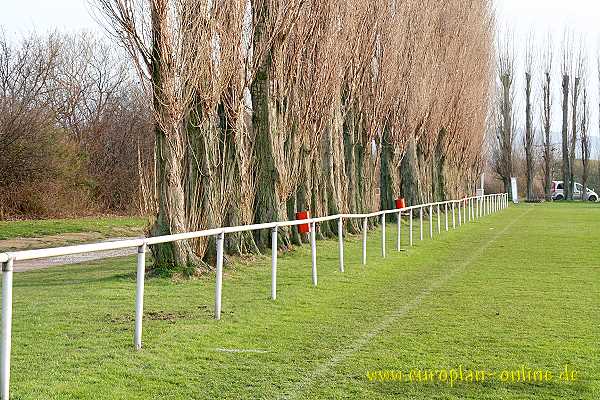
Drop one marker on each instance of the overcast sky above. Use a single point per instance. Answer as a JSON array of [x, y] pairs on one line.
[[524, 17], [22, 16], [540, 17]]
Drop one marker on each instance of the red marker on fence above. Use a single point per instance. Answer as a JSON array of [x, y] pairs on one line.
[[400, 203], [303, 228]]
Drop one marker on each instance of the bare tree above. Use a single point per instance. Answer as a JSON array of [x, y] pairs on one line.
[[585, 144], [566, 67], [157, 39], [505, 132], [529, 130], [579, 70], [306, 104], [547, 116]]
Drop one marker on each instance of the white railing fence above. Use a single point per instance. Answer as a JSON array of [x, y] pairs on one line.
[[467, 209]]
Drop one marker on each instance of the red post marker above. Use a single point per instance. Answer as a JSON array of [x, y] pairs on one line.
[[303, 228], [400, 203]]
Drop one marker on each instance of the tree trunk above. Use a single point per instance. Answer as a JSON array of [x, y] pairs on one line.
[[170, 150], [573, 142], [409, 170], [330, 175], [507, 144], [547, 143], [266, 203], [239, 212], [386, 185], [566, 170], [350, 164], [529, 139], [438, 168]]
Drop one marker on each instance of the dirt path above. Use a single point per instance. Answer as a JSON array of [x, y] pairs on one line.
[[61, 240], [29, 265]]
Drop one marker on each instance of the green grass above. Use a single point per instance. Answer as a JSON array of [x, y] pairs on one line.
[[520, 287], [38, 228]]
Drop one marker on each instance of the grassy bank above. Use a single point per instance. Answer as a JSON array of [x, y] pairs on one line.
[[37, 228]]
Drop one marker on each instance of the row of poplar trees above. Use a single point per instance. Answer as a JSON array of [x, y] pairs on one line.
[[266, 107], [575, 140]]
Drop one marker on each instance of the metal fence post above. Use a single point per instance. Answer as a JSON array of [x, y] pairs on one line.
[[139, 296], [313, 251], [453, 216], [219, 282], [431, 222], [410, 227], [399, 231], [274, 263], [7, 284], [471, 210], [341, 243], [364, 248], [483, 209], [446, 215], [459, 213], [438, 219], [421, 222], [383, 235], [467, 210]]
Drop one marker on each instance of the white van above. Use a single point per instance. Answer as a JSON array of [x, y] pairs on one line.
[[557, 192]]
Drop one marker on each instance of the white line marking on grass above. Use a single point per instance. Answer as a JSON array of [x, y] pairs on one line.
[[388, 320], [241, 350]]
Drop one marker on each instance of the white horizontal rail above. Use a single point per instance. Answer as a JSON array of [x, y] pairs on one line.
[[484, 205], [120, 244]]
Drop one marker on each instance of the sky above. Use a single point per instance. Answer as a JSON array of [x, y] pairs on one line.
[[523, 17], [19, 17]]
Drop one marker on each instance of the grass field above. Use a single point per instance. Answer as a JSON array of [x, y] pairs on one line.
[[516, 289], [36, 228]]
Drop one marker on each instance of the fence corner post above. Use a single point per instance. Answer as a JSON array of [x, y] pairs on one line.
[[421, 223], [341, 242], [7, 285], [139, 296], [219, 282], [410, 229], [398, 235], [383, 235], [364, 248], [313, 250], [274, 263]]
